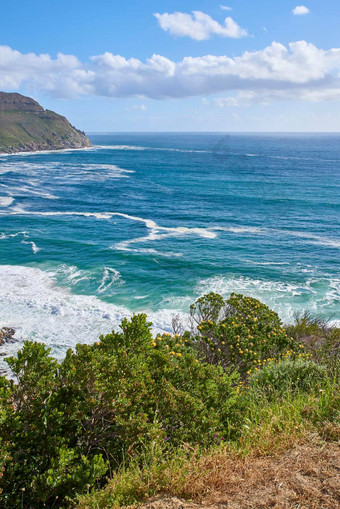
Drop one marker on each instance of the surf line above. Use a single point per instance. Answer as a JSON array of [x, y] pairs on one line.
[[156, 232]]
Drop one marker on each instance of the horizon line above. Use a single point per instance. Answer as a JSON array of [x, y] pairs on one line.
[[211, 132]]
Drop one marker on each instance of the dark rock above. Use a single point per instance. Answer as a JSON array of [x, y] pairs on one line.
[[6, 335]]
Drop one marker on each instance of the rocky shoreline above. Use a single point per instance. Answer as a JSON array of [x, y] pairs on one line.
[[33, 147], [6, 337]]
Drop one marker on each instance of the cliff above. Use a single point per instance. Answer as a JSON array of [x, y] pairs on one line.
[[25, 126]]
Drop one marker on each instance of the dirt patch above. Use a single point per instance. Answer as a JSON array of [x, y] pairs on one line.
[[305, 477]]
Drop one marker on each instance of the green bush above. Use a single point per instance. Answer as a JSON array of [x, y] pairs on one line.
[[278, 378], [320, 338], [241, 333], [66, 425]]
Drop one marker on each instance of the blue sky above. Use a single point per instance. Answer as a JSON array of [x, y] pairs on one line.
[[264, 69]]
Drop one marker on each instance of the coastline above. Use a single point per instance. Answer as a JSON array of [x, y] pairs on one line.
[[52, 151], [39, 308]]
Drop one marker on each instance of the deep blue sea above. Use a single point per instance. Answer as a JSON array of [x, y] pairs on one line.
[[149, 222]]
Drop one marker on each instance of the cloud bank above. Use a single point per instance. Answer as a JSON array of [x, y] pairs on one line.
[[198, 26], [300, 71], [300, 10]]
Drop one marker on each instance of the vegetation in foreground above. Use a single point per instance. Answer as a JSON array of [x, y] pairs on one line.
[[136, 415]]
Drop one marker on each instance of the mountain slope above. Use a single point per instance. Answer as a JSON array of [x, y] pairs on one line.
[[26, 126]]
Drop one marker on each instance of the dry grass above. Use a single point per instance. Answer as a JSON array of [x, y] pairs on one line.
[[304, 474], [287, 456], [304, 477]]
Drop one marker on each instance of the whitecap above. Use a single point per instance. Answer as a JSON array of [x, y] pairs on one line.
[[42, 152], [35, 248], [38, 309], [110, 277], [243, 229], [318, 295], [254, 262], [25, 235], [4, 236], [314, 239], [154, 234], [162, 149], [119, 147], [6, 201]]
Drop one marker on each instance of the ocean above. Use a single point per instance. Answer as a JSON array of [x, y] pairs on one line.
[[149, 222]]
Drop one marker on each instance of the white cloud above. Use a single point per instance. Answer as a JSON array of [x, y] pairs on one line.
[[300, 71], [267, 96], [226, 8], [198, 26], [300, 10]]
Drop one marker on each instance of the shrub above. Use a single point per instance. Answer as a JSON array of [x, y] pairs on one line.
[[320, 338], [241, 333], [306, 324], [115, 404], [67, 423], [278, 378]]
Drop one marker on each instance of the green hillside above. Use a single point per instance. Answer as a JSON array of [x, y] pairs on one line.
[[26, 126]]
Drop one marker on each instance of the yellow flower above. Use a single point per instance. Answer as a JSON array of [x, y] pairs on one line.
[[179, 355]]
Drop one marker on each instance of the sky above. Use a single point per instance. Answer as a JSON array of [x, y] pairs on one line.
[[240, 65]]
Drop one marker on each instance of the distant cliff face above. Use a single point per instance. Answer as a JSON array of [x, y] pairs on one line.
[[25, 126]]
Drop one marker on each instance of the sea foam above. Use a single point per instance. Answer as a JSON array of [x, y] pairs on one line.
[[284, 297], [6, 201], [39, 310]]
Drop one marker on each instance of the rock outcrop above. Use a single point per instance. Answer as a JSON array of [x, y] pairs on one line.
[[25, 127], [6, 335]]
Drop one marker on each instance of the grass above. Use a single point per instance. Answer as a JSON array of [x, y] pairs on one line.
[[36, 130], [134, 417], [271, 430]]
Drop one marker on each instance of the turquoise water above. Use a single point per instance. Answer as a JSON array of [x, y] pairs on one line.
[[148, 222]]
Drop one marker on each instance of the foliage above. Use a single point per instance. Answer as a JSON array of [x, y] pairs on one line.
[[269, 428], [319, 337], [70, 422], [132, 405], [278, 378], [240, 333]]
